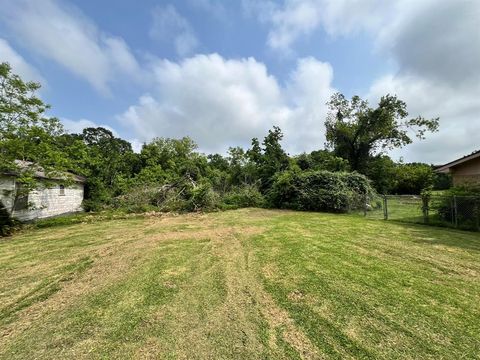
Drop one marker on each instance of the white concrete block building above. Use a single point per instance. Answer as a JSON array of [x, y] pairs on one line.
[[51, 198]]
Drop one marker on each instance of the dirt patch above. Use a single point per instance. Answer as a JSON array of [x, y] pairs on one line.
[[296, 296]]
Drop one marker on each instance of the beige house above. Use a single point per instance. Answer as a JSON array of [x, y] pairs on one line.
[[52, 197], [465, 170]]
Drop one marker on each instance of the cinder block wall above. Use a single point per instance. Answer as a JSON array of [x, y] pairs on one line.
[[46, 202]]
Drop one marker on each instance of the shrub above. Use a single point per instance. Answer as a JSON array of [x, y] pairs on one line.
[[244, 196], [202, 198], [181, 195], [413, 178], [319, 191], [7, 224], [467, 206]]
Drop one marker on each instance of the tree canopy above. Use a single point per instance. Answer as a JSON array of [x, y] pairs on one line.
[[356, 132], [174, 173], [26, 132]]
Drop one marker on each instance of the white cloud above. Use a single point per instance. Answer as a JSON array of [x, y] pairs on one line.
[[18, 63], [60, 32], [223, 103], [438, 40], [168, 24], [459, 116], [77, 126], [293, 19], [435, 45]]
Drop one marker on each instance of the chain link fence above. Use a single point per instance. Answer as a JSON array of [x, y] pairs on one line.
[[462, 212]]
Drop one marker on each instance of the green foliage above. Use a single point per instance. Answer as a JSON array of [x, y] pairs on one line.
[[183, 195], [382, 171], [464, 190], [202, 198], [26, 133], [176, 157], [269, 160], [356, 131], [461, 205], [243, 197], [442, 181], [171, 175], [319, 191], [109, 160], [321, 160], [413, 178]]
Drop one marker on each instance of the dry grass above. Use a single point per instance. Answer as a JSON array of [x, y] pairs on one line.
[[249, 284]]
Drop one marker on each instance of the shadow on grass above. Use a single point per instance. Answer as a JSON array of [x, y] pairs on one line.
[[441, 235]]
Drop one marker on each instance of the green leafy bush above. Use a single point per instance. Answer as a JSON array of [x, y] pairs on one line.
[[413, 178], [202, 198], [319, 191], [244, 196]]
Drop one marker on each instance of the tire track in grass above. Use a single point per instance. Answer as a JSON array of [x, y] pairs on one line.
[[245, 290]]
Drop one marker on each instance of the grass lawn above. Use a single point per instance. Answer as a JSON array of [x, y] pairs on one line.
[[245, 284]]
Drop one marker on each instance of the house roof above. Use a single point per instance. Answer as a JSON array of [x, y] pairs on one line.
[[446, 167], [40, 173]]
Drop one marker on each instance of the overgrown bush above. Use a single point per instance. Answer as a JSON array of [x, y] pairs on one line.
[[181, 195], [319, 191], [7, 224], [244, 196], [413, 178], [202, 198], [460, 204]]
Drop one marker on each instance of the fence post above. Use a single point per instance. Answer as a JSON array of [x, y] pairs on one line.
[[385, 207], [455, 210]]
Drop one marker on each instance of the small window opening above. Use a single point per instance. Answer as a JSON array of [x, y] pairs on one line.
[[62, 190]]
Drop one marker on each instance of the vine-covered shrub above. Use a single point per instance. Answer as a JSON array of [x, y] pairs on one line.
[[320, 191]]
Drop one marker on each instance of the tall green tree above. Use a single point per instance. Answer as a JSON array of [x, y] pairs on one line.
[[26, 132], [356, 132], [269, 159], [108, 162], [173, 158], [321, 160], [28, 137]]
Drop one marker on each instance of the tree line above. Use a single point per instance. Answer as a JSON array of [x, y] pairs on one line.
[[171, 174]]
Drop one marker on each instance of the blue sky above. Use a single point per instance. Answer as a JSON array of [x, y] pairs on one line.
[[223, 72]]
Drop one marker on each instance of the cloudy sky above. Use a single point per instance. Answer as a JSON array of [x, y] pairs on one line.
[[224, 72]]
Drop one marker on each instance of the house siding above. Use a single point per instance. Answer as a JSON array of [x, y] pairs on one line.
[[466, 173], [45, 201]]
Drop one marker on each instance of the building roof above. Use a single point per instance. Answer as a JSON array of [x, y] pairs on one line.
[[40, 173], [446, 167]]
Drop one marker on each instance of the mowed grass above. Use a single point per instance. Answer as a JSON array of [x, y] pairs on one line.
[[245, 284]]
